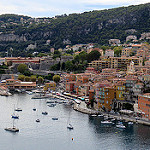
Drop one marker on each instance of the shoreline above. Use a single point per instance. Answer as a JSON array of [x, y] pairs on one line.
[[83, 109]]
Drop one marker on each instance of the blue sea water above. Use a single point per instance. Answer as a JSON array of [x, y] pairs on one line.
[[50, 134]]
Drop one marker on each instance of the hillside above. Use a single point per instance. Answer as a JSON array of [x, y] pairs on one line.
[[88, 27]]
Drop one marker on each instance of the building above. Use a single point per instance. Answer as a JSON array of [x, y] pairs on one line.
[[100, 64], [22, 60], [144, 105], [70, 86], [104, 95], [122, 62], [114, 41], [109, 53], [126, 52], [17, 84], [50, 86], [119, 63]]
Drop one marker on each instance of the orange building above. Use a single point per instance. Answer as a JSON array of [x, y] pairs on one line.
[[144, 105], [104, 95], [22, 60], [70, 86], [70, 77]]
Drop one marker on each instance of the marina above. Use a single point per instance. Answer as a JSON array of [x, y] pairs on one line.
[[37, 130]]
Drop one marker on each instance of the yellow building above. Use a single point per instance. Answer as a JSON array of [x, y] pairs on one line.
[[116, 62], [126, 52], [50, 86], [120, 90]]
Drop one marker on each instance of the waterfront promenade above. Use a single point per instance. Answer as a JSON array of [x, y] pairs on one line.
[[83, 108]]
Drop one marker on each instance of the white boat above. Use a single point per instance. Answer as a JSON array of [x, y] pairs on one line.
[[107, 122], [100, 115], [70, 126], [130, 123], [93, 115], [120, 125], [13, 129], [28, 92]]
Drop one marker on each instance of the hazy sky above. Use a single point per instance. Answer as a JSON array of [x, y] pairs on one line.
[[50, 8]]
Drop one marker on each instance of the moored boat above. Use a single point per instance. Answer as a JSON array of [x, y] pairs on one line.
[[45, 113], [52, 105], [18, 109], [15, 116], [37, 120], [130, 123], [34, 109], [120, 125], [70, 126], [106, 122], [13, 129], [54, 118]]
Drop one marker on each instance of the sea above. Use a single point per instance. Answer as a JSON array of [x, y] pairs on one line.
[[48, 134]]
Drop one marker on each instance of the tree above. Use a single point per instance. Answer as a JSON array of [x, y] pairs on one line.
[[40, 80], [33, 78], [22, 68], [56, 78], [27, 79], [83, 56], [93, 55], [69, 65], [21, 77], [117, 51]]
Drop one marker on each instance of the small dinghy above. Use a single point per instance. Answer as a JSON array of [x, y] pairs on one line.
[[45, 113], [54, 118], [37, 120], [70, 126]]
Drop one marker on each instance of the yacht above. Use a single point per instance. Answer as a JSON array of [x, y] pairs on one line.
[[107, 122], [93, 115], [130, 123], [120, 125]]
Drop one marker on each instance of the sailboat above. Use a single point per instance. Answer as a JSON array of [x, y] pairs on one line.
[[14, 115], [12, 129], [18, 109], [69, 126]]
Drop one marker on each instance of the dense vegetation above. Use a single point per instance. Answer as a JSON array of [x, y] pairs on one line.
[[88, 27], [79, 63]]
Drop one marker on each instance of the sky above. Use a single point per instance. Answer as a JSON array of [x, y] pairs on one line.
[[51, 8]]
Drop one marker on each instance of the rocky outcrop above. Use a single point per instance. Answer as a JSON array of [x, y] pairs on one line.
[[12, 37]]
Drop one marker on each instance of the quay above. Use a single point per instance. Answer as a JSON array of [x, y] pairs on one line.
[[82, 107]]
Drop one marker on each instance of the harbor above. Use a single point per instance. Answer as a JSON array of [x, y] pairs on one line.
[[87, 132]]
